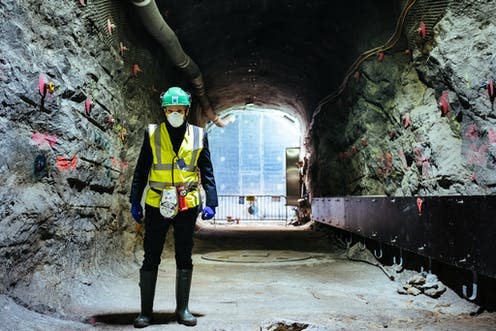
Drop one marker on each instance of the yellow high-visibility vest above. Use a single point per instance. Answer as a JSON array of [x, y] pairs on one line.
[[171, 169]]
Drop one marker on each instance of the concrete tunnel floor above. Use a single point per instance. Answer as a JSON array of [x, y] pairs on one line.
[[262, 278]]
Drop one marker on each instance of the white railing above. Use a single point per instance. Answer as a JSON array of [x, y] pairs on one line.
[[233, 208]]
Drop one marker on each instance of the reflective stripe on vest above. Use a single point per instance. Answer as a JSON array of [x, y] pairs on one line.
[[166, 171]]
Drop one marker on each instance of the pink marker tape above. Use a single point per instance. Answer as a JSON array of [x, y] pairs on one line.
[[420, 202], [88, 104], [472, 132], [44, 140], [491, 135], [119, 164], [41, 85]]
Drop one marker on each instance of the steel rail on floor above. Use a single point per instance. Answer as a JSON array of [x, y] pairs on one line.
[[458, 230]]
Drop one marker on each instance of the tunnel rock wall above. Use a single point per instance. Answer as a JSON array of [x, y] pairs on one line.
[[65, 167], [274, 54], [415, 125]]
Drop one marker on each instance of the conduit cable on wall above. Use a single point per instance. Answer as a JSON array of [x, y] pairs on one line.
[[392, 41]]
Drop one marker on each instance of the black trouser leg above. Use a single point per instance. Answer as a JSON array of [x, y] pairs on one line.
[[184, 227], [156, 228], [155, 232]]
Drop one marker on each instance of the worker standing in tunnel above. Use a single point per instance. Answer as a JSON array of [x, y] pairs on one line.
[[173, 158]]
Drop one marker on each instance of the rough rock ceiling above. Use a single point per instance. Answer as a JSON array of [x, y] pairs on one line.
[[281, 54]]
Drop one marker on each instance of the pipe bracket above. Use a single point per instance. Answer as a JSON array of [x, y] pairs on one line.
[[142, 3]]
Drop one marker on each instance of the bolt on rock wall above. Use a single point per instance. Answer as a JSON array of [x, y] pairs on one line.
[[73, 110], [416, 122]]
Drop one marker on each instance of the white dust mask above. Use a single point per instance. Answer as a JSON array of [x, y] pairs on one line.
[[175, 119]]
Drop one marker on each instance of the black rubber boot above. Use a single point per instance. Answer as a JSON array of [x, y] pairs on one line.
[[148, 279], [183, 285]]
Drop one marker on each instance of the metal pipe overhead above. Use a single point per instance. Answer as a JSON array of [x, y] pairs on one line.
[[161, 31]]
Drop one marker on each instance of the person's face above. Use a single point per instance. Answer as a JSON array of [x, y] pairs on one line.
[[183, 110]]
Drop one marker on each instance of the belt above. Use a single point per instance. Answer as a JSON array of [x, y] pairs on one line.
[[188, 188]]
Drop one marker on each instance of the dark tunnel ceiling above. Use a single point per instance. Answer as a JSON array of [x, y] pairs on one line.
[[276, 53]]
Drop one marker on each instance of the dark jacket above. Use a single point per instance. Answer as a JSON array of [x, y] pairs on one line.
[[145, 161]]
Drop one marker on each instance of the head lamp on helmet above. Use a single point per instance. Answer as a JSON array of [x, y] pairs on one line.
[[175, 96]]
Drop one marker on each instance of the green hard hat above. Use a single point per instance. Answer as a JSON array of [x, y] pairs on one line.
[[175, 96]]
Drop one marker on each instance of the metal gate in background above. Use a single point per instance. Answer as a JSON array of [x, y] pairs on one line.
[[234, 208]]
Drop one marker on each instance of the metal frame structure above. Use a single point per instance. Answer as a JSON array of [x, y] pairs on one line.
[[458, 230]]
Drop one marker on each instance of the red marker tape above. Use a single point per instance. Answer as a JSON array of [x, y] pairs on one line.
[[419, 205], [65, 164], [422, 30]]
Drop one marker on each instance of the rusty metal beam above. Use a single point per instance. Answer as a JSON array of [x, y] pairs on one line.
[[460, 231]]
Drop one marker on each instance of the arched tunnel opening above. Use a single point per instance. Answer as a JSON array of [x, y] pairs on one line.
[[339, 133], [250, 156]]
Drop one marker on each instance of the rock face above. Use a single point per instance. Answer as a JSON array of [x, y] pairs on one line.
[[78, 82], [419, 122], [79, 79], [67, 156]]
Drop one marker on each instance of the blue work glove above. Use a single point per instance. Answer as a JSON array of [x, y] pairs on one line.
[[208, 213], [137, 211]]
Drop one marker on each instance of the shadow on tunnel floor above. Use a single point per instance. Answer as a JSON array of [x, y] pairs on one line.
[[128, 318]]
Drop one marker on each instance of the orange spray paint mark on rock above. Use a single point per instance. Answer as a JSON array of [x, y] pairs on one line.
[[65, 163]]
